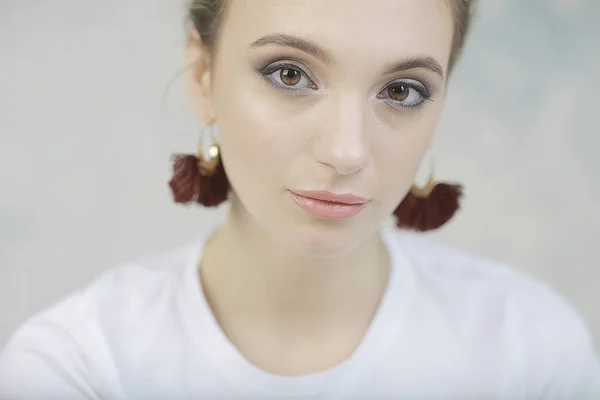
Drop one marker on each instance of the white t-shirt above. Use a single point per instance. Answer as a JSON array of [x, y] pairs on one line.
[[450, 326]]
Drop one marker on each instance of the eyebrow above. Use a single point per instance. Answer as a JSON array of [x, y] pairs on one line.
[[428, 63], [304, 45], [281, 39]]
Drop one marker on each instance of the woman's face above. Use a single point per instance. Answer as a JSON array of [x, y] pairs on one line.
[[338, 96]]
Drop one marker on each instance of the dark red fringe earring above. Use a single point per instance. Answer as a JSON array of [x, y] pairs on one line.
[[198, 180], [430, 207]]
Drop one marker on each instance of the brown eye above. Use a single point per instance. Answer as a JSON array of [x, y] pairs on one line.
[[290, 77], [398, 92], [409, 94], [287, 76]]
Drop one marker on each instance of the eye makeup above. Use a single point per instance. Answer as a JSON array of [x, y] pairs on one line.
[[401, 94]]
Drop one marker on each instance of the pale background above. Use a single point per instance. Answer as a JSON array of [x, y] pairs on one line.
[[86, 134]]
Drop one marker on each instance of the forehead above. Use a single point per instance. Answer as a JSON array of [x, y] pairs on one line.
[[350, 30]]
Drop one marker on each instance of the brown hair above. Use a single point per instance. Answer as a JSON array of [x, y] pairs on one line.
[[207, 17]]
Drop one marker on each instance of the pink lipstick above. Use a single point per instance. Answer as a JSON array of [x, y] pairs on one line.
[[329, 205]]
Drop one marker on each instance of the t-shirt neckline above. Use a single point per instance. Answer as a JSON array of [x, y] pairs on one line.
[[212, 342]]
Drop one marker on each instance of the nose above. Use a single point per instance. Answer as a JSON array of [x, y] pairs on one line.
[[343, 143]]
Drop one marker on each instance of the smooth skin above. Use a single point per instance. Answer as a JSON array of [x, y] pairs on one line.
[[352, 110]]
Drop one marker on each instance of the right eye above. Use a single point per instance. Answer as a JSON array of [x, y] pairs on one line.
[[288, 77]]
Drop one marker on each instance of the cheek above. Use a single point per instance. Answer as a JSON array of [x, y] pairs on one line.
[[259, 130], [399, 150]]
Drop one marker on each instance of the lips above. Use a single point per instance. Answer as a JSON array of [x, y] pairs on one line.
[[329, 205]]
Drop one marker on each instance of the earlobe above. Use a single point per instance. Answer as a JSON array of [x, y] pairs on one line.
[[199, 78]]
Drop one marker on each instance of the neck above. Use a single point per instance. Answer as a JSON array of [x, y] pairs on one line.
[[246, 272]]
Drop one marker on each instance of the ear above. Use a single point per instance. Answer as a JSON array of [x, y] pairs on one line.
[[199, 79]]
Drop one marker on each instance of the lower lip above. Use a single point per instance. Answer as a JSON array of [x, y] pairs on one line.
[[327, 209]]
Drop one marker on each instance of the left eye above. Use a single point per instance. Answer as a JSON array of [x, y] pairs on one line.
[[406, 94], [289, 76]]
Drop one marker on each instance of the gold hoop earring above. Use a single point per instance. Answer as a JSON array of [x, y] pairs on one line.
[[208, 153]]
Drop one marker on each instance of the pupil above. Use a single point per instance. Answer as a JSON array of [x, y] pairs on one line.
[[399, 92], [290, 76]]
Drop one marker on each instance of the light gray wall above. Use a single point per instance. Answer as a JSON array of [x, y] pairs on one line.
[[85, 137]]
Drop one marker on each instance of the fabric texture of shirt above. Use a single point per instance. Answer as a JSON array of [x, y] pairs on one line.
[[450, 326]]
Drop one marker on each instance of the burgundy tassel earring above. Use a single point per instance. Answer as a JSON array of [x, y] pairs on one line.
[[429, 207], [200, 178]]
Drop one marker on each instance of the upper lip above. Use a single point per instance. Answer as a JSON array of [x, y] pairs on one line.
[[323, 195]]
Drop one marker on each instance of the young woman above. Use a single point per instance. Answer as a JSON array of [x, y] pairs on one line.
[[325, 109]]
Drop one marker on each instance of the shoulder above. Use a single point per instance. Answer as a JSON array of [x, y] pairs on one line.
[[448, 269], [455, 273], [146, 280], [68, 346], [490, 299], [121, 288]]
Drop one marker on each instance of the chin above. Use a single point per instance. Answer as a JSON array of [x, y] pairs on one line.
[[311, 236], [326, 240]]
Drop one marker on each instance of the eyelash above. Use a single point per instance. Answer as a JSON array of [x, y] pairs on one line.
[[274, 67], [417, 86]]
